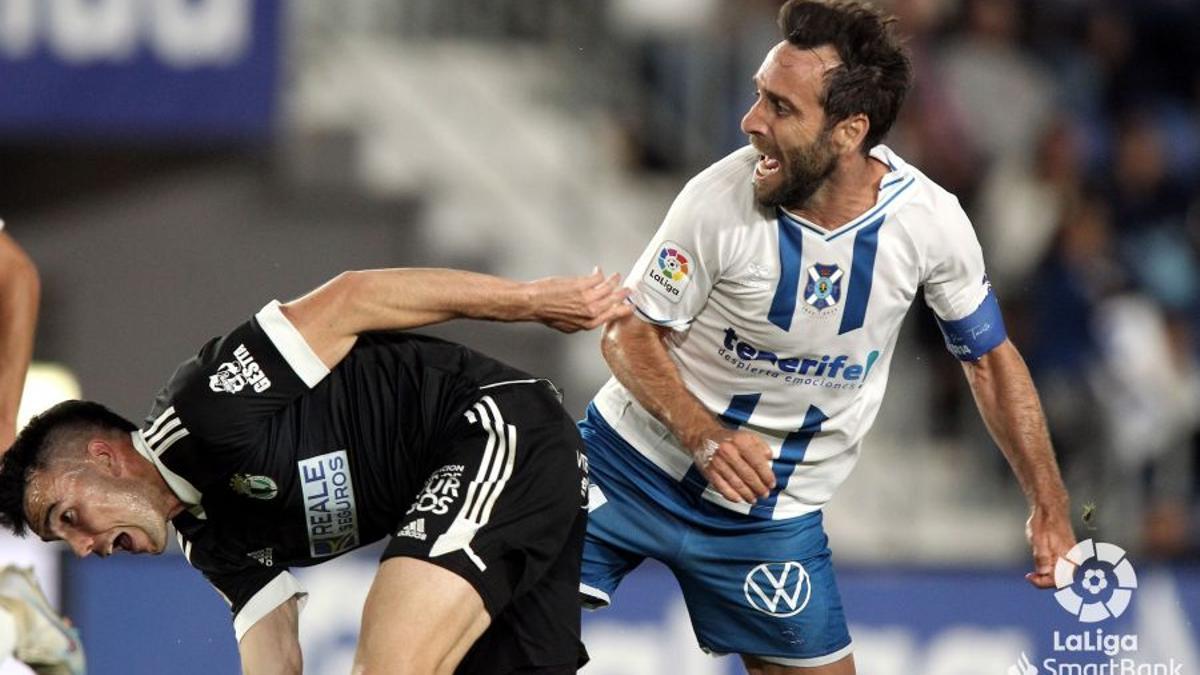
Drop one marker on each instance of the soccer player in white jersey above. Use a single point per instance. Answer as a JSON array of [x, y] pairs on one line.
[[768, 306]]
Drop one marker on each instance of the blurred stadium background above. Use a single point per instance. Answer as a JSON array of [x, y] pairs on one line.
[[171, 165]]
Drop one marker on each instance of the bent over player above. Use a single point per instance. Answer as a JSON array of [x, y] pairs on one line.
[[305, 433], [767, 311]]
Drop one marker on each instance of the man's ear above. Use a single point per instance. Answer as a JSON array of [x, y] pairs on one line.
[[850, 133], [105, 455]]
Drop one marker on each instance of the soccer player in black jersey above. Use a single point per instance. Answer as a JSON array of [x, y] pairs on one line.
[[306, 432]]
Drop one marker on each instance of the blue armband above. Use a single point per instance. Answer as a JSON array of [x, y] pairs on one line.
[[973, 336]]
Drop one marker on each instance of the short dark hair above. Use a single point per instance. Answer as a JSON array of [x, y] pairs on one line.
[[875, 72], [31, 451]]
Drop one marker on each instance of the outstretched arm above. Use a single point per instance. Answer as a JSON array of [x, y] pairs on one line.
[[736, 463], [331, 317], [19, 292], [1009, 404], [272, 645]]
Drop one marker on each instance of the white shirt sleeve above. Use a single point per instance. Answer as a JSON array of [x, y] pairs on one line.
[[673, 277], [957, 288], [280, 589]]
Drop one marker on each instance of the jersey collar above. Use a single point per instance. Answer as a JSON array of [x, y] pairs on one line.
[[896, 181], [184, 490]]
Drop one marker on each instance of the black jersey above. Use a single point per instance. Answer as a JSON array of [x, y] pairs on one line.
[[286, 463]]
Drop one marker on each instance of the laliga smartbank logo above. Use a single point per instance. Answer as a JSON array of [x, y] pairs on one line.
[[1095, 582], [1107, 581]]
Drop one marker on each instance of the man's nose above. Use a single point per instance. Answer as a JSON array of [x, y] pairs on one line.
[[752, 121], [81, 544]]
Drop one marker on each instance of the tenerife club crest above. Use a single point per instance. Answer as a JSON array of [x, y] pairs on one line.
[[824, 287]]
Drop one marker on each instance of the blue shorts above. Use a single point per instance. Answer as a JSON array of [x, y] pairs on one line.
[[762, 588]]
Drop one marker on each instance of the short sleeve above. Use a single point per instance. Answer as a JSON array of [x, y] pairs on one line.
[[957, 288], [672, 279], [253, 594], [222, 395]]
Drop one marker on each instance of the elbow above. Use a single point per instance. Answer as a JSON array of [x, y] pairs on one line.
[[20, 272], [615, 334], [625, 335]]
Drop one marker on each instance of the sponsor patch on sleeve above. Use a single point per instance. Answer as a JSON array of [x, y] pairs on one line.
[[670, 272]]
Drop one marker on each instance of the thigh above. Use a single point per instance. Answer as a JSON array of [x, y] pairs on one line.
[[418, 618], [768, 592], [503, 510], [755, 666], [625, 524], [538, 632]]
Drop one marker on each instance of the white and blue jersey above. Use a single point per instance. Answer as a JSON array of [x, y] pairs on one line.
[[788, 330]]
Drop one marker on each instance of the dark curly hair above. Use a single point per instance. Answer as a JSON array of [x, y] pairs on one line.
[[875, 72], [35, 445]]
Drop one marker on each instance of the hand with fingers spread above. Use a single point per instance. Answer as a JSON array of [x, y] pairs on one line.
[[736, 463], [1050, 535], [570, 304]]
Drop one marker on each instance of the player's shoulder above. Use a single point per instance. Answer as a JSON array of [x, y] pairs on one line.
[[723, 191], [927, 209]]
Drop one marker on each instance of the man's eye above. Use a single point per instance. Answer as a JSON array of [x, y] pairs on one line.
[[68, 517]]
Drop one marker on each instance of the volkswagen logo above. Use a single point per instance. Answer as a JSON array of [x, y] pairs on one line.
[[780, 589]]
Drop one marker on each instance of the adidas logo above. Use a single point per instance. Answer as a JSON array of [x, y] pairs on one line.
[[264, 557], [415, 529]]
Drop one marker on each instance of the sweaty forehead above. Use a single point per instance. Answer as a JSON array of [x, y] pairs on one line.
[[43, 488]]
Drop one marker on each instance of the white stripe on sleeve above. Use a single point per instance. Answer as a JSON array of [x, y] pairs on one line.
[[291, 344], [278, 591]]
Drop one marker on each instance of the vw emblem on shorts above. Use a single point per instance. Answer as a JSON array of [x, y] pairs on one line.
[[780, 589]]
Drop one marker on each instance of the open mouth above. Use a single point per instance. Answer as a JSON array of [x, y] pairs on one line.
[[766, 166], [123, 542]]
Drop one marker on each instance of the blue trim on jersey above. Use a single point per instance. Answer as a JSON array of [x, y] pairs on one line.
[[868, 215], [783, 305], [737, 414], [741, 407], [808, 226], [973, 336], [891, 182], [665, 323], [862, 271], [794, 448]]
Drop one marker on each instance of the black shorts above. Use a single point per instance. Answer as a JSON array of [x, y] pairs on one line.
[[507, 511]]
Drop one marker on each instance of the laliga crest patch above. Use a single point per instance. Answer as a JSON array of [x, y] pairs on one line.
[[670, 272], [823, 289]]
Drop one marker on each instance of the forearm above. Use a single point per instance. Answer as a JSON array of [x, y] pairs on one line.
[[1011, 410], [332, 316], [639, 360], [394, 299], [272, 646], [19, 292]]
